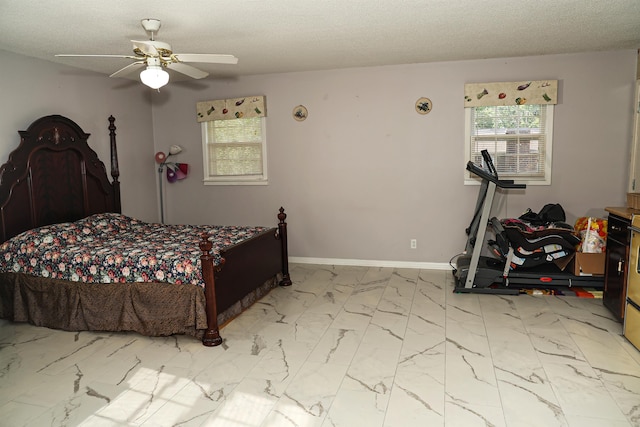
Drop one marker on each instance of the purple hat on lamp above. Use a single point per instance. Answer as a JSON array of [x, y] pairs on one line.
[[171, 173]]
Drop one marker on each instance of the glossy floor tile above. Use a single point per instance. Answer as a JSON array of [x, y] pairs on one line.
[[342, 347]]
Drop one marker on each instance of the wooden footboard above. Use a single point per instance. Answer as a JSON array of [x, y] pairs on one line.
[[284, 245], [243, 268]]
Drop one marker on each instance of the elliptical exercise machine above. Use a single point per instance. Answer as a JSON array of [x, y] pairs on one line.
[[475, 273]]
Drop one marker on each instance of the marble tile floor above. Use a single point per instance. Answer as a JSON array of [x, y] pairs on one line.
[[344, 346]]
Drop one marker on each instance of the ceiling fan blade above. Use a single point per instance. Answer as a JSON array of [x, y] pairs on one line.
[[145, 47], [187, 69], [127, 70], [96, 56], [211, 58]]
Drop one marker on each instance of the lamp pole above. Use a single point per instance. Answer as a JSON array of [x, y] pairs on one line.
[[160, 170], [174, 149]]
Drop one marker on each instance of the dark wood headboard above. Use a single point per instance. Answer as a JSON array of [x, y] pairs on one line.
[[54, 176]]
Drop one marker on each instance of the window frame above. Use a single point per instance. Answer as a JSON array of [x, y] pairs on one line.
[[208, 179], [523, 179]]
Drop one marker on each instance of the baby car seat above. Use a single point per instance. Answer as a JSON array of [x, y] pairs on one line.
[[532, 246]]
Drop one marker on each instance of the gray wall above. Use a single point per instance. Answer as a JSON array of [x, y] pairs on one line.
[[365, 173], [34, 88]]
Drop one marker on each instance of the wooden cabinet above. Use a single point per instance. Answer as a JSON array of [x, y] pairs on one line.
[[616, 266]]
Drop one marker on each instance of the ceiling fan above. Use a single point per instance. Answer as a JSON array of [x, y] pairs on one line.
[[156, 56]]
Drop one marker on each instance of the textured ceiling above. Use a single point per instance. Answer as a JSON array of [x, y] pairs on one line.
[[273, 36]]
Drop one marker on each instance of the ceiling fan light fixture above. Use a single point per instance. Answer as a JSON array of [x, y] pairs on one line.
[[157, 57], [154, 76]]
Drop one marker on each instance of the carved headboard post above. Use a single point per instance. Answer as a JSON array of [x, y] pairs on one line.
[[115, 170]]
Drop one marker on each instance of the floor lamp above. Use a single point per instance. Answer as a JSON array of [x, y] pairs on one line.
[[162, 160]]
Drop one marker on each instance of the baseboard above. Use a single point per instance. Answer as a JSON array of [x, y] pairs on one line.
[[371, 263]]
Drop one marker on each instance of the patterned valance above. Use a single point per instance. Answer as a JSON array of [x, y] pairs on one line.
[[236, 108], [511, 93]]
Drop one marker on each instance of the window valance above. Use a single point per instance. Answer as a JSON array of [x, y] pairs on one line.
[[511, 93], [236, 108]]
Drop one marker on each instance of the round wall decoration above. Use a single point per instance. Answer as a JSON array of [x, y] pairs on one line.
[[424, 106], [300, 113]]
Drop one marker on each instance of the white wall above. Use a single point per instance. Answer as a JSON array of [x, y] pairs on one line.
[[365, 173], [34, 88]]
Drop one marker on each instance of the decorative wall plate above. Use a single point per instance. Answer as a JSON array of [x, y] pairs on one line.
[[424, 106], [300, 113]]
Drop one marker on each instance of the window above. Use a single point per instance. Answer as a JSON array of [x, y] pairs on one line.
[[235, 151], [518, 137]]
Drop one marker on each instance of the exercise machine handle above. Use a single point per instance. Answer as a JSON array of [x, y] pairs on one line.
[[502, 183]]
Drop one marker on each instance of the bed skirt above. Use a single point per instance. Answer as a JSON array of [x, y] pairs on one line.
[[151, 309]]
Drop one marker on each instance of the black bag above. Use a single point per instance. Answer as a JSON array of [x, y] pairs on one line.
[[551, 212]]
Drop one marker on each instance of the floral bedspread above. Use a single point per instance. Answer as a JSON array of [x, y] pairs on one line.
[[107, 248]]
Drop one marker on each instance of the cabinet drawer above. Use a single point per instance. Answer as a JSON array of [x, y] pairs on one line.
[[617, 229]]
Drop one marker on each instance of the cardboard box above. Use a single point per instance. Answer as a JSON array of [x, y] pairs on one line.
[[633, 200], [583, 264]]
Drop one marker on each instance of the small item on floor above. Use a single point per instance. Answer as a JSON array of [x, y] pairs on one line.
[[565, 291]]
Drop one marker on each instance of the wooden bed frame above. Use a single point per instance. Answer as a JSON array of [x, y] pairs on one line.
[[54, 176]]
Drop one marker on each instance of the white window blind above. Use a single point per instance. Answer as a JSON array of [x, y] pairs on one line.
[[518, 137], [235, 150]]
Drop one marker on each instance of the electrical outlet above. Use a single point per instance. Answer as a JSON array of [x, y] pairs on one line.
[[414, 243]]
